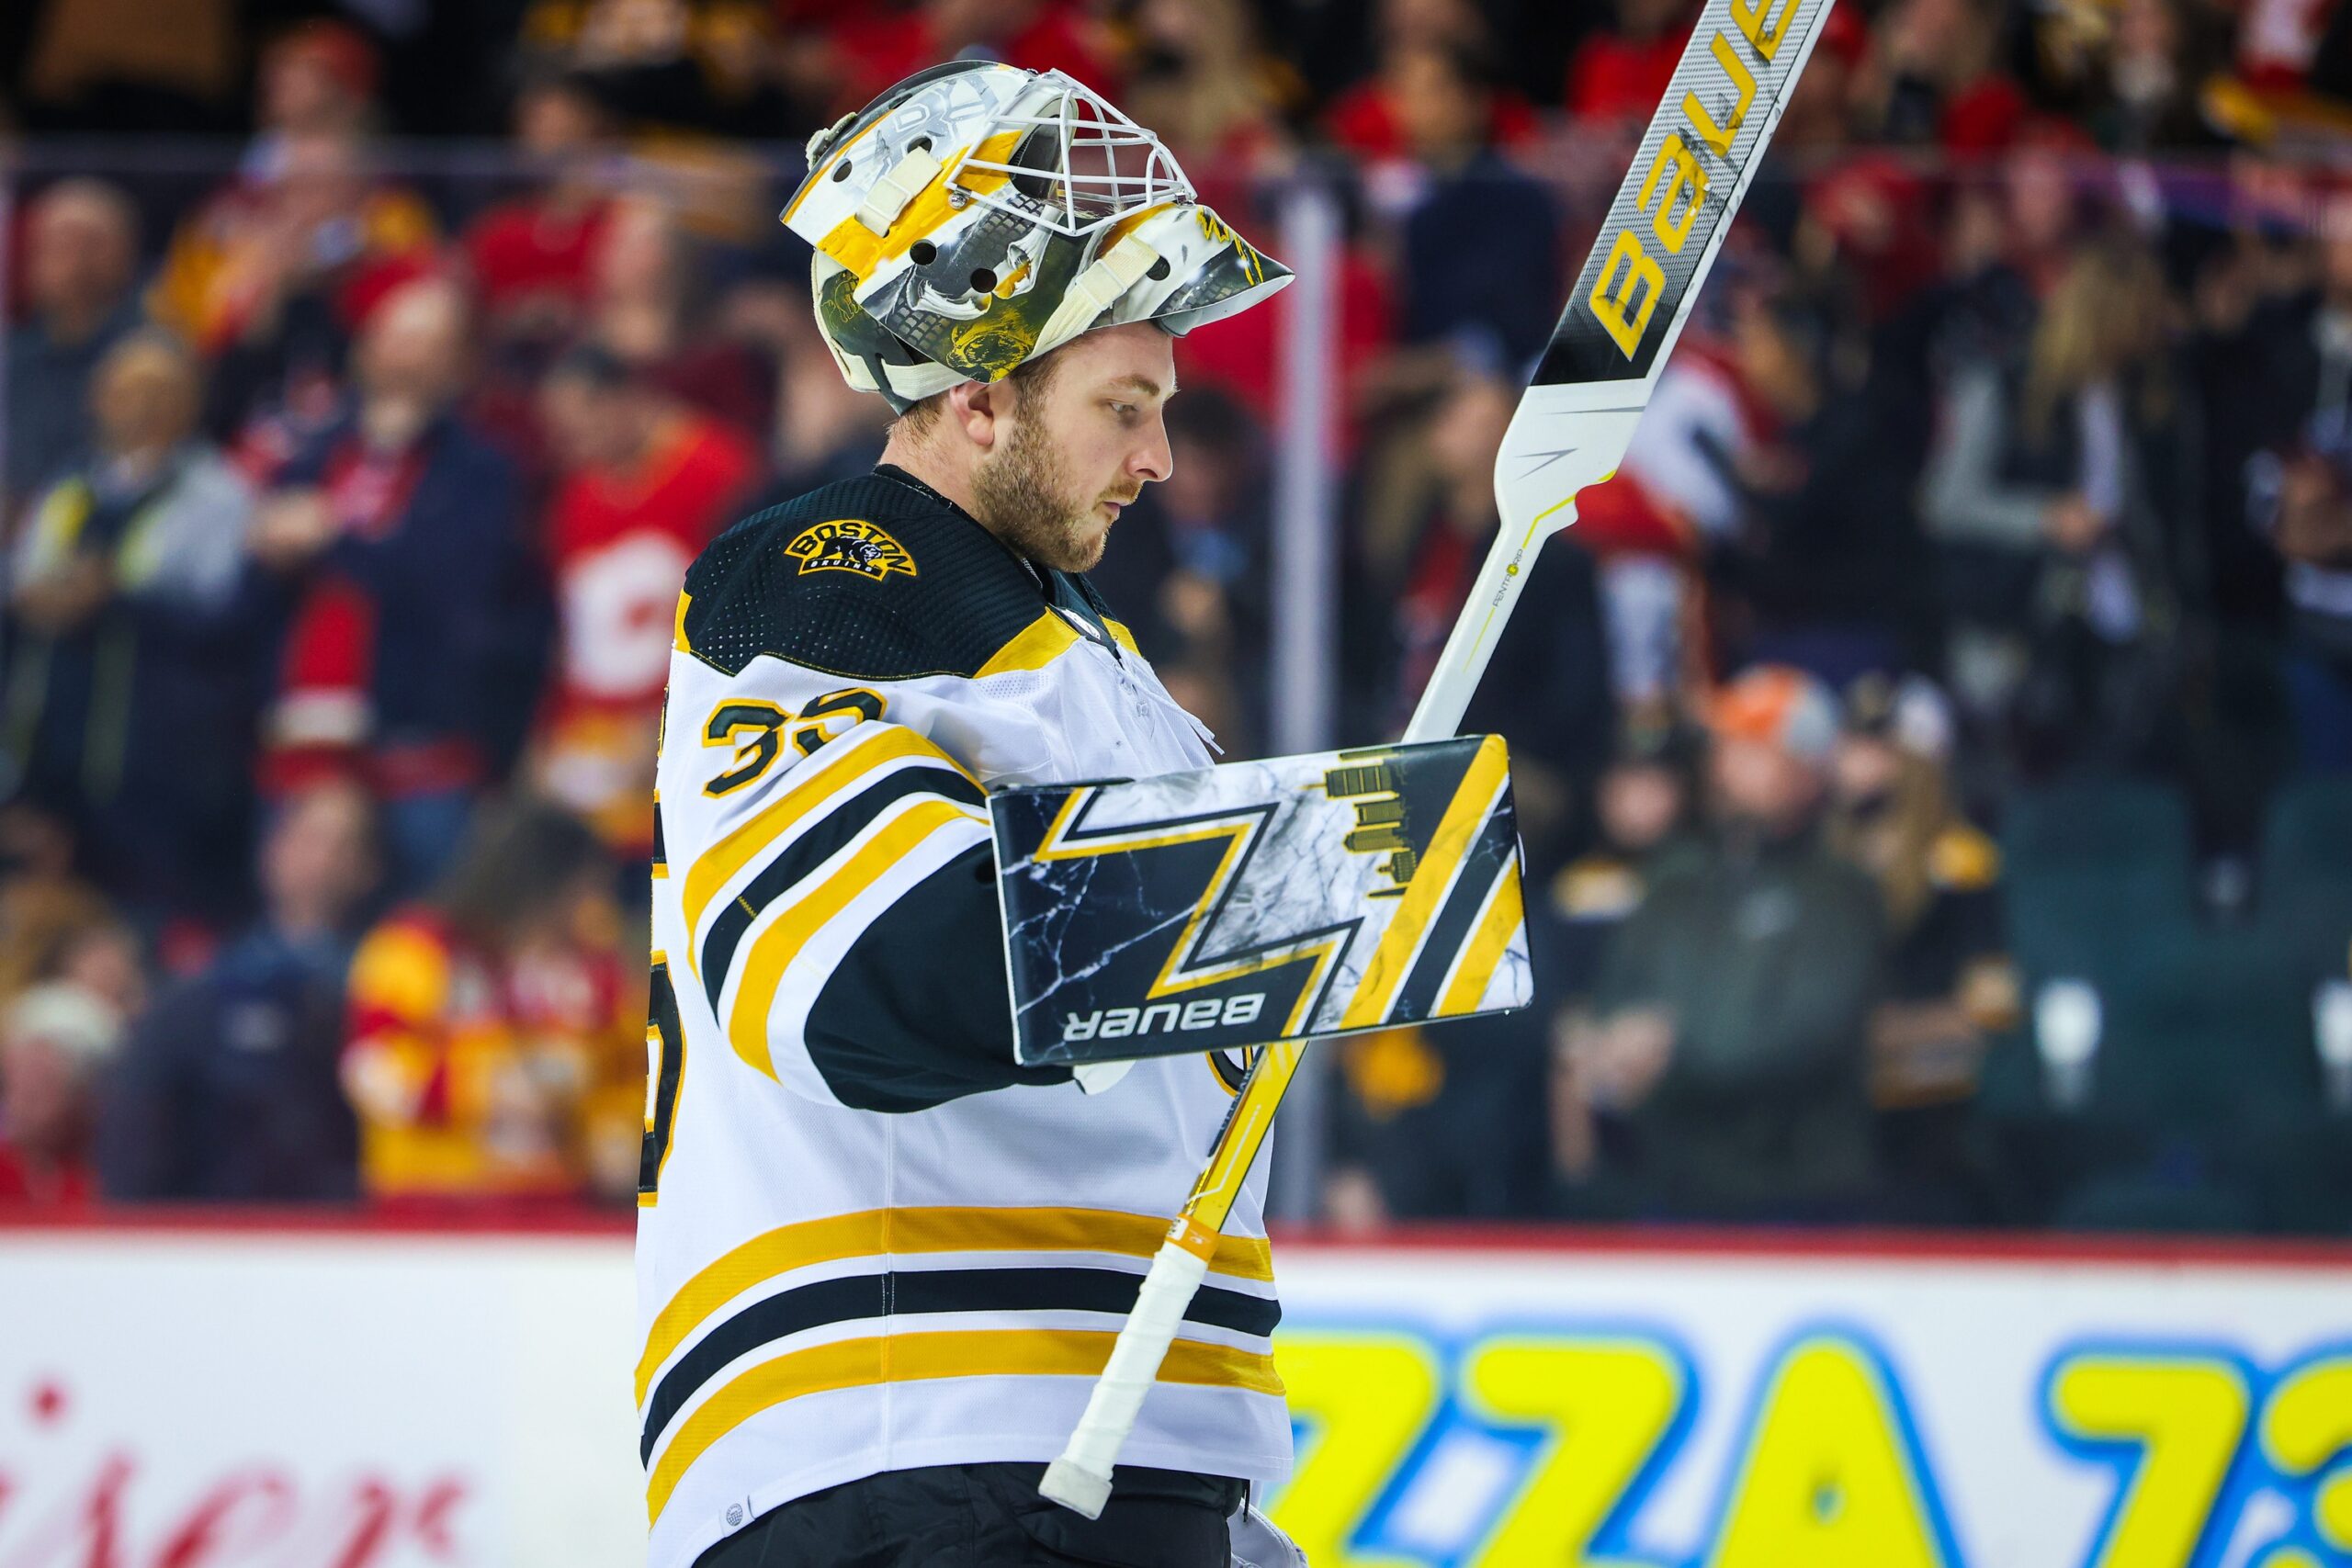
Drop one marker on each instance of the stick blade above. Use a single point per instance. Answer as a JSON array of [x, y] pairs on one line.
[[1558, 442]]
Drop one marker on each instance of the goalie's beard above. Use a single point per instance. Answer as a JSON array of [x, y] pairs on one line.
[[1024, 496]]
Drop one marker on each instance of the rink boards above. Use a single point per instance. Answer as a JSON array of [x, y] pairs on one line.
[[254, 1392]]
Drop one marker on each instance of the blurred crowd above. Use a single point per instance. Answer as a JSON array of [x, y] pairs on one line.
[[376, 370]]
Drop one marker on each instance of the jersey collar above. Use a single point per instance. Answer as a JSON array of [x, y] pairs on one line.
[[1060, 590]]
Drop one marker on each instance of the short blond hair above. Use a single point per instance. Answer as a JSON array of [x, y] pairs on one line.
[[1032, 376]]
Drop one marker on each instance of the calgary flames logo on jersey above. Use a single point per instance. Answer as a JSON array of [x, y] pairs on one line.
[[850, 544]]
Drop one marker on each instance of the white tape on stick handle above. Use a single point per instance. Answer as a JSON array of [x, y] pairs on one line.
[[1081, 1479]]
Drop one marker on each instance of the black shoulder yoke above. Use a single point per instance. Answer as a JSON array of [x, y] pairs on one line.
[[877, 578]]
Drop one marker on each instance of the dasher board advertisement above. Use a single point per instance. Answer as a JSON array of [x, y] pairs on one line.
[[248, 1397], [1935, 1405]]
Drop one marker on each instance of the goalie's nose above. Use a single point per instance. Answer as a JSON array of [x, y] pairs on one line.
[[1154, 458]]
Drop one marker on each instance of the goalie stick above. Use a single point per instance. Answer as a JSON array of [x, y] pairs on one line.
[[1662, 232]]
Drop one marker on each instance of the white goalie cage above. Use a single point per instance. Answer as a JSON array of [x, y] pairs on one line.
[[1078, 165]]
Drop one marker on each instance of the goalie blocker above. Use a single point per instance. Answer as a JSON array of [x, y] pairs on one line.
[[1234, 907]]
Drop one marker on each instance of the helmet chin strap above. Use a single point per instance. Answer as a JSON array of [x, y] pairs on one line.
[[881, 374]]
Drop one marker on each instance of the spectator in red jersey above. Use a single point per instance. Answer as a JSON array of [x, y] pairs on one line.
[[1619, 75], [270, 274], [310, 223], [54, 1045], [647, 483], [396, 535], [495, 1042], [644, 314], [271, 277], [533, 258]]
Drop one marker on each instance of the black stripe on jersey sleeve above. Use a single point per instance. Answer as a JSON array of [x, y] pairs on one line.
[[796, 1310], [917, 1011], [817, 842], [1455, 917]]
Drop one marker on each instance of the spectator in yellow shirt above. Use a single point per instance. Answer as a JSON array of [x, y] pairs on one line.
[[495, 1043]]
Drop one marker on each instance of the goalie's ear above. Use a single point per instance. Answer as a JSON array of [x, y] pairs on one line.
[[979, 409]]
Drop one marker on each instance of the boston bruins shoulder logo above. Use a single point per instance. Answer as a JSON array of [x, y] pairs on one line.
[[850, 544]]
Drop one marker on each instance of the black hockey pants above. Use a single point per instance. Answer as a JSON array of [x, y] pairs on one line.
[[990, 1516]]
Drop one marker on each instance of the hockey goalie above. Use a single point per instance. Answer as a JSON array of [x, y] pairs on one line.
[[879, 1261], [968, 959]]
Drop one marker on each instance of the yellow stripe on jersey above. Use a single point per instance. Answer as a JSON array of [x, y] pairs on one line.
[[1062, 1230], [908, 1358], [1488, 942], [874, 1231], [1040, 642], [1127, 639], [834, 772], [773, 951], [1456, 831]]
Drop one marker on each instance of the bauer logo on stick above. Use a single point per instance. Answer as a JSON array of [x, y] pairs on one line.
[[1652, 249]]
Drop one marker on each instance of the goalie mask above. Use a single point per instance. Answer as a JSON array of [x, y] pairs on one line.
[[977, 216]]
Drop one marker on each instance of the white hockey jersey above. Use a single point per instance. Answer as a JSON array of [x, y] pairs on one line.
[[867, 1240]]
